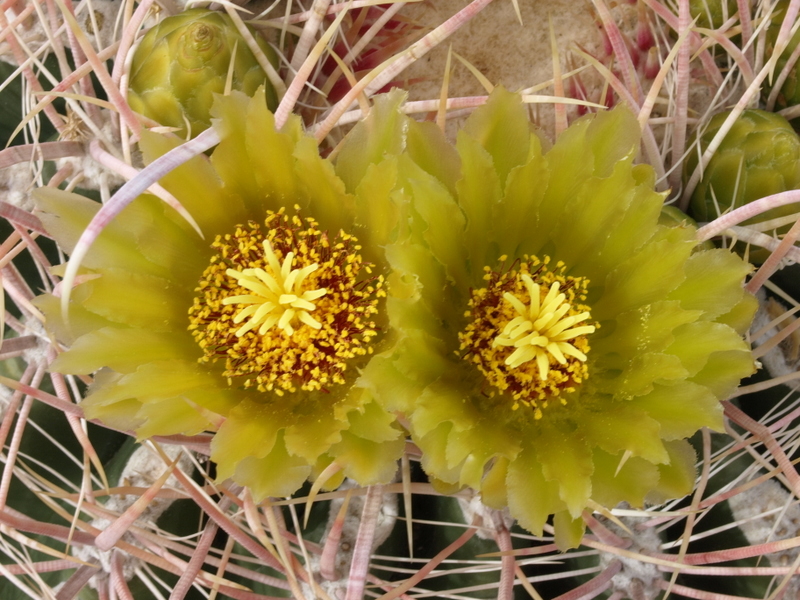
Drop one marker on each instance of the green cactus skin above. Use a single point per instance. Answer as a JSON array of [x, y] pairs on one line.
[[789, 94], [703, 9], [759, 157], [184, 60]]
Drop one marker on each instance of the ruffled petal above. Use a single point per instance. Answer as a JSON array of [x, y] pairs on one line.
[[382, 134], [676, 479], [151, 381], [168, 417], [278, 473], [681, 409], [427, 146], [647, 276], [66, 216], [318, 183], [122, 350], [445, 222], [695, 343], [531, 497], [568, 530], [198, 187], [524, 191], [596, 208], [479, 193], [713, 282], [249, 431], [138, 300], [619, 478], [625, 427], [367, 461]]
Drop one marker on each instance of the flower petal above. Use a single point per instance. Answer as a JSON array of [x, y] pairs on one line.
[[121, 349], [694, 343], [445, 221], [428, 147], [66, 216], [151, 381], [531, 498], [250, 430], [568, 530], [647, 276], [676, 479], [615, 480], [168, 417], [366, 461], [278, 473], [625, 427], [197, 185], [566, 460], [370, 141], [713, 282], [681, 409], [138, 300]]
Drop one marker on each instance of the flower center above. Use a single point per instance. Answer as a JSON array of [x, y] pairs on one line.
[[287, 309], [527, 333], [278, 297]]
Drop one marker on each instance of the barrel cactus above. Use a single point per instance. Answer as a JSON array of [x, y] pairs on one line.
[[184, 60], [760, 156]]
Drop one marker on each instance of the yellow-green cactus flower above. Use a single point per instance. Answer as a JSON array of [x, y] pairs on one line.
[[759, 156], [259, 331], [556, 344], [184, 60]]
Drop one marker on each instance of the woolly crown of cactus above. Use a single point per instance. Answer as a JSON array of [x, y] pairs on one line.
[[557, 344], [257, 332]]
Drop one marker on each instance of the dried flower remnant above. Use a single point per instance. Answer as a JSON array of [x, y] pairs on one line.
[[587, 340], [184, 60], [258, 332]]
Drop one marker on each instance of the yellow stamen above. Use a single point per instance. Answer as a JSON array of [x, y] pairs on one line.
[[550, 329], [280, 301], [527, 333], [285, 309]]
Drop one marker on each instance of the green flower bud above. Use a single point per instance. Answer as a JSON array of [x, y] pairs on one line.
[[759, 157], [184, 60], [790, 92]]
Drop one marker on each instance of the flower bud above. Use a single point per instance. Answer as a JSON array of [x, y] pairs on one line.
[[184, 60], [759, 157]]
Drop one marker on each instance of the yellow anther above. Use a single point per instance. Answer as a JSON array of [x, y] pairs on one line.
[[527, 332], [279, 309], [278, 296], [541, 330]]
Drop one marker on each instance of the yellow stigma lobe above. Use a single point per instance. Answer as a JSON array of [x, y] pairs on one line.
[[278, 298], [542, 328]]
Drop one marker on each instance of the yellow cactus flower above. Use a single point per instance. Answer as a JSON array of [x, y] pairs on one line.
[[556, 343], [258, 332]]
